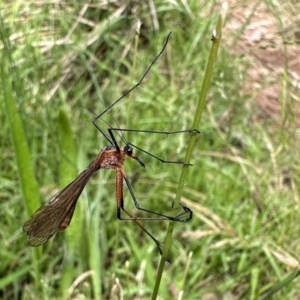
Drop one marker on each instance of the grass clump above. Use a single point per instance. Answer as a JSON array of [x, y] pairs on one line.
[[242, 187]]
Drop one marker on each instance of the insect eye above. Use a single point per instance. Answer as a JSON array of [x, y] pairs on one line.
[[128, 150]]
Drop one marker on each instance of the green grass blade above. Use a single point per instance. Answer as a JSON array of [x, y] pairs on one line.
[[196, 124], [95, 252], [26, 172], [28, 181], [254, 283], [14, 276], [281, 284], [68, 172]]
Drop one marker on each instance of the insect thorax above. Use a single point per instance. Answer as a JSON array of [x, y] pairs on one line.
[[111, 158]]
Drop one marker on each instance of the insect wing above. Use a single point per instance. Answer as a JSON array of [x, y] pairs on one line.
[[57, 213], [67, 220]]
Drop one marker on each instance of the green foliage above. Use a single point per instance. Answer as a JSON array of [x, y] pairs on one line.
[[62, 63]]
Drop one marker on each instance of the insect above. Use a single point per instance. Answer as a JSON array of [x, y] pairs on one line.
[[57, 214]]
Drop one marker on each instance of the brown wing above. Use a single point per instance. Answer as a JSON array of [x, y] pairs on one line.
[[67, 220], [57, 213]]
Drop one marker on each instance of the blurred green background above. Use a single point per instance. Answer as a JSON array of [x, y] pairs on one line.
[[62, 63]]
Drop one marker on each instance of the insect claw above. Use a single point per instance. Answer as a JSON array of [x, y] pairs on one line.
[[141, 163], [167, 259], [187, 210], [187, 164], [195, 131], [160, 249]]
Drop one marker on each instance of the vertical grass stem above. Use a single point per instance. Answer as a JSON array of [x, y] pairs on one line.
[[216, 38]]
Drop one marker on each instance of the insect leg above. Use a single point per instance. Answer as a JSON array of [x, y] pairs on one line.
[[120, 207], [185, 216], [193, 131]]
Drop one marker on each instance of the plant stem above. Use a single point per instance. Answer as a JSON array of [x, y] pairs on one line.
[[216, 38]]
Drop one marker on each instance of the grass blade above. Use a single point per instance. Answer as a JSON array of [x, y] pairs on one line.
[[281, 284], [26, 173], [196, 123], [68, 172]]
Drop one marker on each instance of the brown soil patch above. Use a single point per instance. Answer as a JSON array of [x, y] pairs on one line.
[[268, 38]]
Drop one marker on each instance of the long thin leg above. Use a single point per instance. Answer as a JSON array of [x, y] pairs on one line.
[[120, 207], [187, 213], [132, 218], [110, 130], [155, 131], [130, 90]]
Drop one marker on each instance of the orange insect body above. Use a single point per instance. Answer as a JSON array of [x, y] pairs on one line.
[[57, 213]]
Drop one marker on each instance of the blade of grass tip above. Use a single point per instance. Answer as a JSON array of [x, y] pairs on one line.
[[281, 284], [216, 37], [67, 173], [26, 174]]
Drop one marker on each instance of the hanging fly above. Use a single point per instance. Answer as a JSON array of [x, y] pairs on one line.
[[56, 214]]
